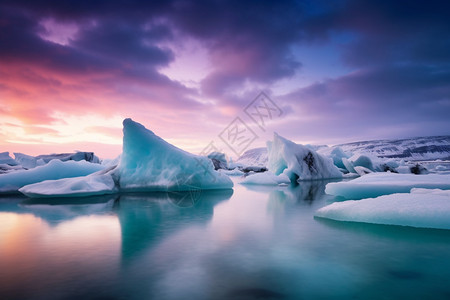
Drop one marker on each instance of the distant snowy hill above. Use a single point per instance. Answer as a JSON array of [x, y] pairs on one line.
[[421, 148]]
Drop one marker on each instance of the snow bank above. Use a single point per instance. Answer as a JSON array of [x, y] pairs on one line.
[[55, 169], [420, 208], [94, 184], [256, 157], [150, 163], [267, 178], [377, 184], [298, 162]]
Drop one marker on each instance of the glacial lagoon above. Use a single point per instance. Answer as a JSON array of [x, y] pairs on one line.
[[252, 242]]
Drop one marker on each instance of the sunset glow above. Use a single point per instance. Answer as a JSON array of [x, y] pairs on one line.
[[341, 71]]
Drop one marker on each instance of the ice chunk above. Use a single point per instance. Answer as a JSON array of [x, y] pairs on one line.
[[377, 184], [93, 184], [234, 172], [336, 154], [5, 168], [362, 170], [27, 161], [77, 156], [219, 160], [55, 169], [6, 159], [298, 162], [419, 208], [150, 163], [267, 178], [365, 161]]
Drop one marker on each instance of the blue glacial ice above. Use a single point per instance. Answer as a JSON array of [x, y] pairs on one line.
[[55, 169], [298, 162], [377, 184], [149, 163], [267, 178], [94, 184], [290, 162], [6, 159], [427, 208]]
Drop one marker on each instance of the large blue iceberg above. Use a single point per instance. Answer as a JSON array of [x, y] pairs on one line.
[[147, 163], [150, 163]]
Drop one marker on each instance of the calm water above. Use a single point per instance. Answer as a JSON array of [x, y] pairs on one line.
[[250, 243]]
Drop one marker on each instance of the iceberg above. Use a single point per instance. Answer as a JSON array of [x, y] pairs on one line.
[[219, 160], [55, 169], [77, 156], [298, 162], [27, 161], [377, 184], [5, 159], [149, 163], [336, 154], [420, 208], [365, 161]]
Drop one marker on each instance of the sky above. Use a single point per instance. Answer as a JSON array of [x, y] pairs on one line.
[[221, 75]]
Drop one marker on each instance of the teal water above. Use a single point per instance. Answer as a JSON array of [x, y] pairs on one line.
[[250, 243]]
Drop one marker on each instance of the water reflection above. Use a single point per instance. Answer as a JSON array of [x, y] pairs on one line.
[[57, 210], [148, 217], [260, 242], [304, 192]]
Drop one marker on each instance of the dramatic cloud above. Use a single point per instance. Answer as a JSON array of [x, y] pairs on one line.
[[63, 60]]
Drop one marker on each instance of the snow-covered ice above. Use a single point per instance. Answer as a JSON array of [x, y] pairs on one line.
[[219, 160], [93, 184], [256, 157], [150, 163], [419, 208], [234, 172], [77, 156], [6, 159], [55, 169], [266, 178], [298, 162], [27, 161], [377, 184], [336, 154]]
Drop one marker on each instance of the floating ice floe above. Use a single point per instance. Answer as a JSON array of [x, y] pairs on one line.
[[55, 169], [377, 184], [419, 208], [267, 178], [298, 162], [93, 184]]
